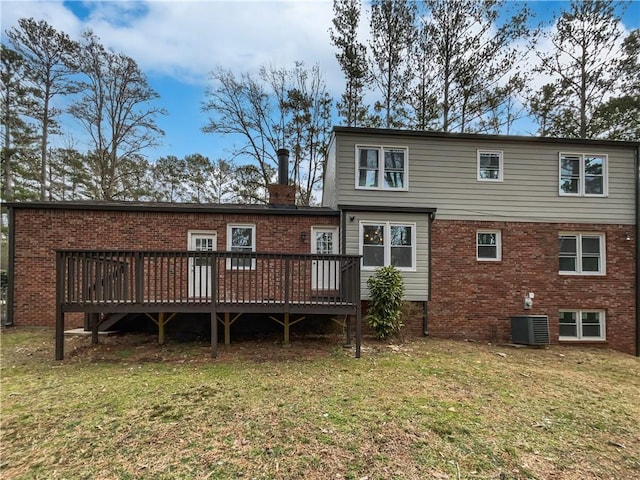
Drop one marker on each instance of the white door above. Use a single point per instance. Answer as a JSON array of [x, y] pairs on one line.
[[200, 267], [324, 273]]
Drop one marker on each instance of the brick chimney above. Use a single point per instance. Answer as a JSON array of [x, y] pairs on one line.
[[282, 194]]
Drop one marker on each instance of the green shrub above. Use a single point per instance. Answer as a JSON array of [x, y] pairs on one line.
[[386, 290]]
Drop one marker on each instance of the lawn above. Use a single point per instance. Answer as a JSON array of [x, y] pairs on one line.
[[426, 409]]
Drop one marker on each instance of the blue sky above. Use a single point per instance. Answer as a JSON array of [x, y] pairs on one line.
[[178, 43]]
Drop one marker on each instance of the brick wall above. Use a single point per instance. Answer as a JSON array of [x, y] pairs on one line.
[[38, 232], [472, 299]]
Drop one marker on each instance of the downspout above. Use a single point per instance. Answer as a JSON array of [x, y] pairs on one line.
[[637, 166], [8, 322]]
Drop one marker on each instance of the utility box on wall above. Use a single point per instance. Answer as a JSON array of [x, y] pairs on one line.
[[530, 329]]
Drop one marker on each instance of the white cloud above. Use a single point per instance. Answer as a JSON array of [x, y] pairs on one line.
[[186, 40]]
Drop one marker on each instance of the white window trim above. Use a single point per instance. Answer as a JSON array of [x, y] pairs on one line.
[[581, 184], [501, 165], [192, 233], [603, 256], [387, 243], [498, 246], [381, 149], [580, 337], [252, 226]]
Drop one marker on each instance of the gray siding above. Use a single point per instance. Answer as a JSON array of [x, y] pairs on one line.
[[443, 175], [416, 283], [329, 193]]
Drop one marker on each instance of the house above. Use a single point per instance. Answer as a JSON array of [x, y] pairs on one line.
[[489, 227], [483, 228]]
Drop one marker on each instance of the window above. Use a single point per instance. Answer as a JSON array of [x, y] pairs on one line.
[[583, 174], [241, 238], [582, 325], [387, 243], [581, 254], [490, 165], [488, 245], [381, 168]]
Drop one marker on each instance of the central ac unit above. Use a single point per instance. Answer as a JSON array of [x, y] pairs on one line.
[[530, 329]]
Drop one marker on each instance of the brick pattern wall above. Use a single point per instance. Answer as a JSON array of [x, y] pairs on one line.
[[472, 299], [39, 232]]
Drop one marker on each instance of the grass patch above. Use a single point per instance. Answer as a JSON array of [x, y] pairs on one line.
[[128, 408]]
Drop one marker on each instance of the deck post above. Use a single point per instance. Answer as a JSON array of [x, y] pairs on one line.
[[161, 328], [94, 327], [60, 274], [286, 329], [227, 328]]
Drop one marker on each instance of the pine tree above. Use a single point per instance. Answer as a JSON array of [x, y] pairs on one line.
[[392, 36], [352, 57], [47, 54], [583, 68]]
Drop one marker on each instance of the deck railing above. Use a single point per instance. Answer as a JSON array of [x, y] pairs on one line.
[[124, 278]]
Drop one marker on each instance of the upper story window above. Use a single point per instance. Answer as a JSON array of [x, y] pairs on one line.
[[490, 165], [385, 243], [581, 254], [381, 168], [583, 174], [488, 245], [241, 238]]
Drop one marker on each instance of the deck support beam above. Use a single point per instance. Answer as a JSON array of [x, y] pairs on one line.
[[161, 322], [227, 321], [286, 323]]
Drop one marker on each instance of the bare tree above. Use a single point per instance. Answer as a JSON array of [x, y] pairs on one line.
[[115, 108], [281, 108]]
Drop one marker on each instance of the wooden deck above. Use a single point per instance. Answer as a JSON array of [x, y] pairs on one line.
[[222, 284]]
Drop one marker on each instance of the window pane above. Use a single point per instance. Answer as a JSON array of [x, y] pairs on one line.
[[593, 165], [591, 331], [570, 166], [368, 158], [590, 317], [594, 185], [569, 185], [373, 235], [568, 325], [591, 245], [373, 256], [487, 252], [590, 264], [401, 257], [487, 238], [368, 178], [394, 179], [568, 245], [400, 235], [394, 160], [568, 330], [567, 264], [241, 238]]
